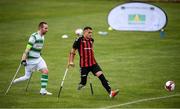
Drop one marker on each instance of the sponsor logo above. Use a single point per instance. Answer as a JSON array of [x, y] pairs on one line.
[[87, 48], [136, 19]]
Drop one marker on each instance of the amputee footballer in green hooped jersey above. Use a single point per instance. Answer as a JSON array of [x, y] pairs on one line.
[[32, 59]]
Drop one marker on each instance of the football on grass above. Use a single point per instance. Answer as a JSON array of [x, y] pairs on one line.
[[170, 86], [79, 32]]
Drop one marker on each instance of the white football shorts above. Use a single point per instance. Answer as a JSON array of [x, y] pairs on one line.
[[35, 65]]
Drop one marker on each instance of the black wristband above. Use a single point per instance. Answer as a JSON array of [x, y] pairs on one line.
[[23, 62]]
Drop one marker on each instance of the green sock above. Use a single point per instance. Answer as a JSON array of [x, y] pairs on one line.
[[44, 81]]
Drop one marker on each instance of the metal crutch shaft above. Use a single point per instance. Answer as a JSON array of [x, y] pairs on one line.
[[92, 92], [28, 82], [13, 79], [65, 73]]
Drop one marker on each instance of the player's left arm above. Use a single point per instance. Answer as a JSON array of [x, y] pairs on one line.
[[24, 56], [31, 41]]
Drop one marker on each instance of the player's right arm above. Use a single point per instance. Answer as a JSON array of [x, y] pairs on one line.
[[73, 52], [71, 57]]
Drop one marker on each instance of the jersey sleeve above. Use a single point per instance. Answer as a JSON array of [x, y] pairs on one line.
[[31, 40], [76, 43], [92, 40]]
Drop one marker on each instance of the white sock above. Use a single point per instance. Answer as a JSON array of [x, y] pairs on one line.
[[23, 78]]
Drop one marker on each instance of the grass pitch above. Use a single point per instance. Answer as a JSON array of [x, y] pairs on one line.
[[138, 63]]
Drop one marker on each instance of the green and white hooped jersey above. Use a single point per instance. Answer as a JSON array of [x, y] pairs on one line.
[[37, 42]]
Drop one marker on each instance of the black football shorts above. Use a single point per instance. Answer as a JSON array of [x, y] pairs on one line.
[[94, 69]]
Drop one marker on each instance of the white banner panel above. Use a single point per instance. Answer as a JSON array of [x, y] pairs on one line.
[[137, 16]]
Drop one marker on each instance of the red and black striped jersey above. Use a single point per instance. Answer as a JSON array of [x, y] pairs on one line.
[[86, 52]]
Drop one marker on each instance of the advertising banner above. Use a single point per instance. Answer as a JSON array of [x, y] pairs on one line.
[[137, 16]]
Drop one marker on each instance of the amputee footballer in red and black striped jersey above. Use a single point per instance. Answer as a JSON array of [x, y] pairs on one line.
[[84, 45], [86, 52]]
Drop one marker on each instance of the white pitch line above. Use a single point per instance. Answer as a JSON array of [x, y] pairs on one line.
[[141, 100]]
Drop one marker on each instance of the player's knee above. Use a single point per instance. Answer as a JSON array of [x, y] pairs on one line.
[[99, 73], [44, 71]]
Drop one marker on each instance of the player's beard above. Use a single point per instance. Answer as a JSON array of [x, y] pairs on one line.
[[44, 33], [89, 37]]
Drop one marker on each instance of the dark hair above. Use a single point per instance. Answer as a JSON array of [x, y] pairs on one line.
[[86, 28], [41, 24]]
